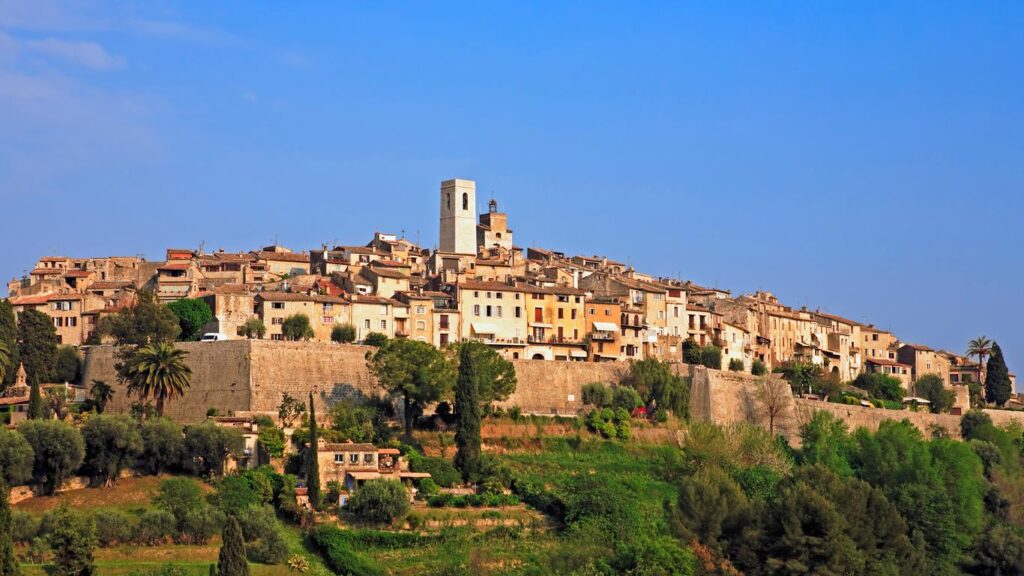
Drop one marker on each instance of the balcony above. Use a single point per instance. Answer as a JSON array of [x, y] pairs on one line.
[[602, 336], [552, 340]]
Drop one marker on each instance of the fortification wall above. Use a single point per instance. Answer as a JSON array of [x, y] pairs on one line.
[[252, 375], [220, 379], [331, 371]]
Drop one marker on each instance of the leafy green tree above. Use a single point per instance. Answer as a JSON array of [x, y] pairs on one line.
[[231, 561], [883, 386], [9, 360], [496, 375], [352, 420], [972, 423], [67, 365], [467, 412], [380, 501], [375, 339], [57, 449], [805, 535], [290, 410], [691, 352], [194, 519], [416, 371], [101, 394], [931, 388], [159, 371], [193, 314], [596, 394], [736, 365], [313, 459], [112, 444], [16, 458], [162, 445], [147, 322], [658, 385], [254, 328], [271, 439], [997, 378], [72, 538], [8, 563], [37, 344], [999, 552], [343, 334], [297, 327], [36, 406], [803, 377], [208, 446], [825, 441]]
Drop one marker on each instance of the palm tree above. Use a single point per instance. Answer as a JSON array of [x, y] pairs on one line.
[[101, 394], [980, 347], [159, 371], [5, 359]]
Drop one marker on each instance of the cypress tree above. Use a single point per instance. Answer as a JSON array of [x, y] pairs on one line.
[[35, 399], [312, 459], [213, 570], [231, 561], [467, 412], [997, 380], [8, 563]]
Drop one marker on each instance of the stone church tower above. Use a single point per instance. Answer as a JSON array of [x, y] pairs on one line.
[[458, 216]]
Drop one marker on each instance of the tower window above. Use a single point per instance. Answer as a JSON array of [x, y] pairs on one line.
[[449, 200], [465, 201]]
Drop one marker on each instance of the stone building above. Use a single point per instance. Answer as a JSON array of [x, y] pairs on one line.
[[324, 312]]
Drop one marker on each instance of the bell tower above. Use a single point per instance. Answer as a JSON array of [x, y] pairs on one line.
[[458, 216]]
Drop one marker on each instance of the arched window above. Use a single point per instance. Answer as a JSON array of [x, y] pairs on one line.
[[449, 200], [465, 201]]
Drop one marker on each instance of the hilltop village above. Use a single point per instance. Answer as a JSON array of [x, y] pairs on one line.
[[538, 304]]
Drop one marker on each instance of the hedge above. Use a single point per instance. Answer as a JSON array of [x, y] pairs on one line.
[[341, 557]]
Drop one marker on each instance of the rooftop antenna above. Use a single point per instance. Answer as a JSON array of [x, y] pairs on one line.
[[403, 233], [417, 237]]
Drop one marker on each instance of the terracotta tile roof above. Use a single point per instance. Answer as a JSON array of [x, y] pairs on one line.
[[77, 274], [298, 297], [489, 285], [387, 272], [110, 284], [29, 300], [47, 271], [174, 266], [283, 256], [369, 299], [884, 362], [918, 347], [559, 290], [349, 447]]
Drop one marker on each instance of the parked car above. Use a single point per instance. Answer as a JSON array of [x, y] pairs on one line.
[[213, 337]]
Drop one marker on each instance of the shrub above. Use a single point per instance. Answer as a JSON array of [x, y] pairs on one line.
[[441, 470], [114, 526], [735, 365], [758, 368], [155, 527], [626, 398], [427, 488], [596, 394], [515, 413], [711, 356], [196, 521], [343, 334], [262, 534], [340, 556], [207, 447], [380, 501], [236, 493], [24, 526], [375, 339]]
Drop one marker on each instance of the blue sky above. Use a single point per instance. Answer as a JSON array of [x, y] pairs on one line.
[[864, 157]]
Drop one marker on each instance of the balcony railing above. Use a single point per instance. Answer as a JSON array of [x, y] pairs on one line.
[[603, 336], [552, 340]]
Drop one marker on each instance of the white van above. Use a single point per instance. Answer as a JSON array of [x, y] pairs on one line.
[[213, 337]]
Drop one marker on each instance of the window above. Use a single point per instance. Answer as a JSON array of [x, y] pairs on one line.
[[465, 201], [366, 323], [62, 306], [421, 309], [591, 311], [476, 309], [421, 325], [573, 313], [384, 310], [575, 334], [383, 324], [58, 322], [277, 321], [476, 294], [353, 458], [328, 308], [498, 295], [517, 296], [339, 458], [449, 200], [487, 311], [488, 294], [327, 320], [277, 305], [497, 311], [368, 458], [561, 313], [519, 313], [277, 336]]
